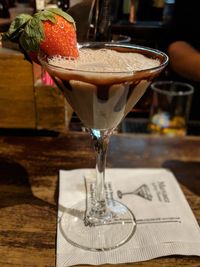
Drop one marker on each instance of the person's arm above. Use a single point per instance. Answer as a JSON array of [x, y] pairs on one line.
[[184, 60]]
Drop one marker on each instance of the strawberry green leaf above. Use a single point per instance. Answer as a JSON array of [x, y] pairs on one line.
[[28, 44], [32, 35], [17, 27], [34, 29], [63, 14], [45, 15]]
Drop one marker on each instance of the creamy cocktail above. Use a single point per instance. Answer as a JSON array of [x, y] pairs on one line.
[[103, 85]]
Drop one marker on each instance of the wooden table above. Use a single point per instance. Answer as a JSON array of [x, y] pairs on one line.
[[29, 168]]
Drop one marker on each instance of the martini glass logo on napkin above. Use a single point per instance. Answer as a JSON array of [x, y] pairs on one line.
[[156, 190], [142, 191]]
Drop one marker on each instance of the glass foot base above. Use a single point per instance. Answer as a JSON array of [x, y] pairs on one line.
[[102, 235]]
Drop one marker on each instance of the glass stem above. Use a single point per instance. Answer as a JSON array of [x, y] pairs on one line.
[[101, 140]]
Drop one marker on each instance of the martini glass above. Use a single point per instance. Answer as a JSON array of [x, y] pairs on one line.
[[101, 99]]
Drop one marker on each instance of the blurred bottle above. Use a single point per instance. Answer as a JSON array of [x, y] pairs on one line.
[[103, 20], [63, 4], [12, 3], [157, 10], [39, 4], [24, 3], [125, 10], [150, 10], [168, 11], [4, 6]]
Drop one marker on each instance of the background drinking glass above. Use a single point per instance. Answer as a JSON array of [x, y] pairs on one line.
[[170, 107]]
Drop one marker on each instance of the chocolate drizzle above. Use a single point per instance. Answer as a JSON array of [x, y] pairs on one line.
[[103, 92]]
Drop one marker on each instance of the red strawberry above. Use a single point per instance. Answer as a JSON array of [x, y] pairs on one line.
[[60, 38], [53, 31]]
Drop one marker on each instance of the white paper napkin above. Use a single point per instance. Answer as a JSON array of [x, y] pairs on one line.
[[165, 222]]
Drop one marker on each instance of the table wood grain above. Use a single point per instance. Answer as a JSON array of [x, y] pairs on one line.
[[29, 168]]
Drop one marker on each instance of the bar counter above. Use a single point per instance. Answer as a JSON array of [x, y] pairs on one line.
[[29, 166], [4, 24]]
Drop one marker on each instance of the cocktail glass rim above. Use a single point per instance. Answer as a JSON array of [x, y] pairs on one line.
[[43, 57]]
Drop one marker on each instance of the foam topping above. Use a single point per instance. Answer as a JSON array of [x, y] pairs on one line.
[[105, 60]]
